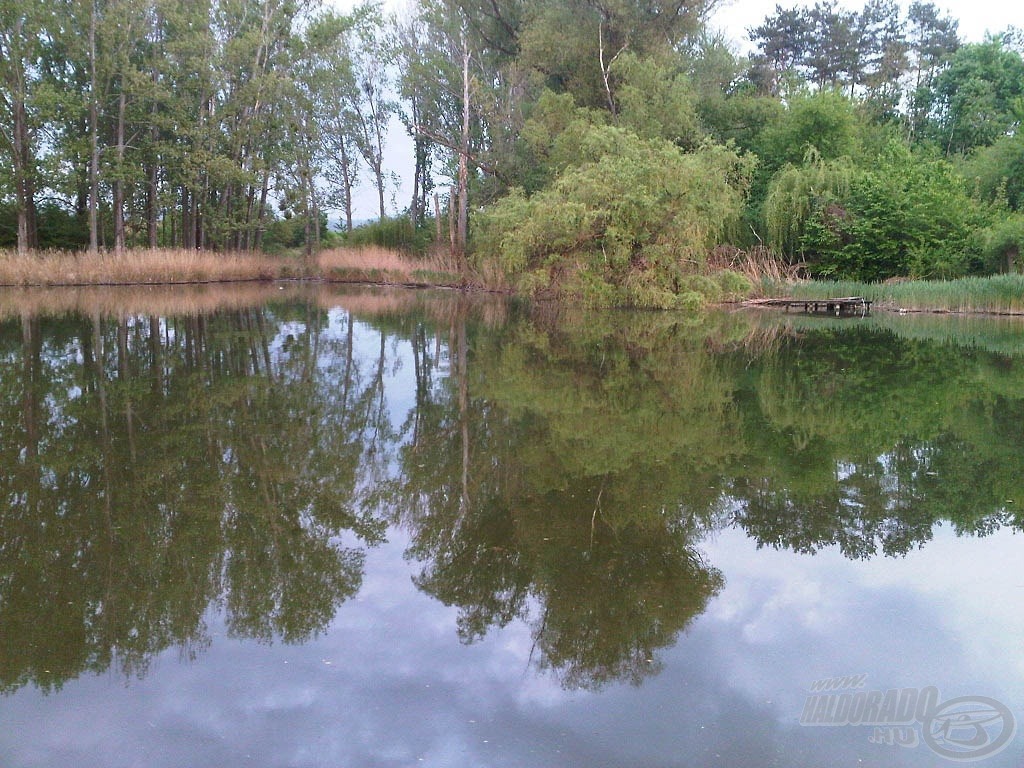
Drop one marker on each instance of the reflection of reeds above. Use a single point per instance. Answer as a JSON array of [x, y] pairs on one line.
[[367, 302], [162, 300], [442, 307], [140, 267], [765, 339], [191, 300]]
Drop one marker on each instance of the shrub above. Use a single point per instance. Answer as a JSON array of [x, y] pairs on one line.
[[639, 217], [1003, 243], [395, 233], [903, 216]]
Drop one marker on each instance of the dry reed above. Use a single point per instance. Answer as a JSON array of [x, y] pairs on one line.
[[759, 265], [381, 265], [139, 267], [161, 300]]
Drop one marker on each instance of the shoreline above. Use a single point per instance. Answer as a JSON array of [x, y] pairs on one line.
[[463, 287], [995, 296], [889, 310]]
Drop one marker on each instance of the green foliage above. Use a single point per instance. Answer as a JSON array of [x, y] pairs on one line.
[[733, 285], [739, 117], [289, 232], [557, 135], [655, 102], [825, 121], [904, 215], [796, 193], [638, 218], [395, 233], [560, 42], [1003, 243], [977, 96], [825, 124], [998, 170], [58, 228]]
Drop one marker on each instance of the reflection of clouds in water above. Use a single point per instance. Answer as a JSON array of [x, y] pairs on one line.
[[977, 585], [731, 693], [804, 601], [786, 621]]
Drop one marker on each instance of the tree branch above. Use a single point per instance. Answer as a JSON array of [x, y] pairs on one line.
[[447, 144]]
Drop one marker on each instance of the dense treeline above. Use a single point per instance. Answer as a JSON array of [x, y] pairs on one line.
[[598, 147], [169, 123]]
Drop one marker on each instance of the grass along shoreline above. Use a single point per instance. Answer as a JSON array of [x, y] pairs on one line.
[[994, 295], [998, 294]]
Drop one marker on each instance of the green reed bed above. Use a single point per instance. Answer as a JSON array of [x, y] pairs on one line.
[[999, 334], [999, 294]]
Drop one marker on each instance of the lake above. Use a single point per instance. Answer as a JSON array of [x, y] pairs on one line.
[[299, 526]]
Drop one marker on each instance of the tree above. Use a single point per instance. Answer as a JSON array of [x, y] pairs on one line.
[[998, 170], [933, 40], [369, 94], [629, 224], [20, 32], [976, 96], [825, 124], [883, 49], [900, 216]]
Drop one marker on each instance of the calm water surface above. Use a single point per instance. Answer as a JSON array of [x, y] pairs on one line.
[[299, 527]]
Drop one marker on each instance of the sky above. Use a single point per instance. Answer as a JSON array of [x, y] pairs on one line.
[[976, 17], [733, 17]]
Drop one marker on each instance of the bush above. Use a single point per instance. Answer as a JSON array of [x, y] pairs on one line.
[[1003, 243], [394, 233], [903, 216], [640, 217]]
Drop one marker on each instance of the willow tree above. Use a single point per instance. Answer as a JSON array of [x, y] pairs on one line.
[[796, 193], [631, 226]]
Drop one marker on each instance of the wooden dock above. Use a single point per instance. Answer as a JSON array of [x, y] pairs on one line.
[[849, 305]]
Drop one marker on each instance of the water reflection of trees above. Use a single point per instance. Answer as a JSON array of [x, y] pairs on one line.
[[537, 490], [153, 468], [867, 440], [566, 474], [560, 471]]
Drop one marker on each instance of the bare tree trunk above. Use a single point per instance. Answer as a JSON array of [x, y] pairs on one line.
[[25, 192], [308, 228], [261, 214], [151, 202], [201, 224], [347, 183], [415, 211], [118, 184], [453, 235], [188, 229], [152, 171], [463, 222], [606, 70], [94, 139], [437, 218], [21, 147]]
